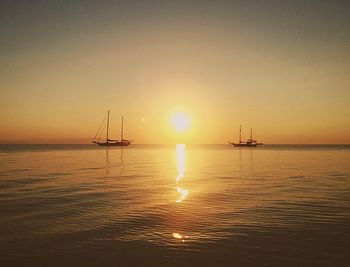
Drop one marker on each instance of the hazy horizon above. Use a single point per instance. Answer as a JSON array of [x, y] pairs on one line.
[[87, 141]]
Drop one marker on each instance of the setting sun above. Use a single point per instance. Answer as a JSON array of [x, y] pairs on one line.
[[180, 121]]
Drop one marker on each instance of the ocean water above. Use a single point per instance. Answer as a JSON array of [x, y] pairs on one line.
[[203, 205]]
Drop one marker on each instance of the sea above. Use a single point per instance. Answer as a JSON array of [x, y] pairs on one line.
[[174, 205]]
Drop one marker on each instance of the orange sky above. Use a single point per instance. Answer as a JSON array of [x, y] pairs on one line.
[[285, 73]]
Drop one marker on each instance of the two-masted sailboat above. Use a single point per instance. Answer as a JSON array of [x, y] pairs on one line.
[[113, 142], [249, 143]]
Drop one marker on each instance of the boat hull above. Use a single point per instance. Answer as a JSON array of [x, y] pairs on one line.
[[246, 144], [113, 143]]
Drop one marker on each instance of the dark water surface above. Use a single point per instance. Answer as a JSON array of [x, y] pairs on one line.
[[207, 205]]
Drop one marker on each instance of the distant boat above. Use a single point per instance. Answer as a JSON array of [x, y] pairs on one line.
[[249, 143], [113, 142]]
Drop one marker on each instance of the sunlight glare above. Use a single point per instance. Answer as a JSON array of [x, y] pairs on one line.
[[182, 193], [181, 121], [180, 237]]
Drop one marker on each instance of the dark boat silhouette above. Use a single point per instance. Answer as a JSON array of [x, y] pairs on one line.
[[113, 142], [249, 143]]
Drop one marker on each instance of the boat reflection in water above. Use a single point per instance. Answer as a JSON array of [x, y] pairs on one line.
[[181, 192]]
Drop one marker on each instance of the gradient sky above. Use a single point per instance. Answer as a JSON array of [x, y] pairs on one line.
[[281, 67]]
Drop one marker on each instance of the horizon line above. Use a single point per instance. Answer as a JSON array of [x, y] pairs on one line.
[[161, 144]]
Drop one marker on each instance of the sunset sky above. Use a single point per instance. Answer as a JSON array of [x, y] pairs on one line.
[[281, 67]]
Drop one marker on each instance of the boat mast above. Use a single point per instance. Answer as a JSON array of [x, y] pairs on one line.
[[121, 133], [251, 133], [240, 133], [107, 126]]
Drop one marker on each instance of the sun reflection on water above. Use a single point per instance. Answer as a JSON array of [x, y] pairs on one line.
[[182, 192], [180, 237]]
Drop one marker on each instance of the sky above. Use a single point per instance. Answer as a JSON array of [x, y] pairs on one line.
[[280, 67]]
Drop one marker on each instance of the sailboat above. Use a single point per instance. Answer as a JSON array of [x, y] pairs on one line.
[[249, 143], [113, 142]]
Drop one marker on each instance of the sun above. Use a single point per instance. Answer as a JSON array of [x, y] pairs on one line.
[[180, 121]]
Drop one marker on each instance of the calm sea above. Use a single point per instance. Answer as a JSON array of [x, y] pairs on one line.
[[144, 205]]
